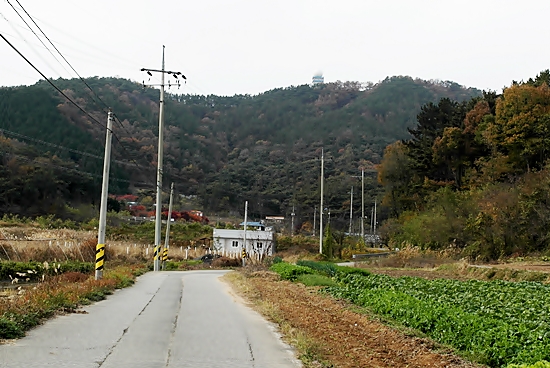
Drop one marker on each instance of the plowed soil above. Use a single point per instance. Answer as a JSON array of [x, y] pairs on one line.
[[347, 338]]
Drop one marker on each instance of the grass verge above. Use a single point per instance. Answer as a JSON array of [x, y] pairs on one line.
[[307, 349], [59, 294]]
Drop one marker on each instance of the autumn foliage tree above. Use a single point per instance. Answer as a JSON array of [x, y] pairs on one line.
[[480, 170]]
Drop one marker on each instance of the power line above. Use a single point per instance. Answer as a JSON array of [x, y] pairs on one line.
[[24, 158], [75, 104], [29, 27], [56, 49], [50, 82], [18, 135], [82, 79], [64, 95]]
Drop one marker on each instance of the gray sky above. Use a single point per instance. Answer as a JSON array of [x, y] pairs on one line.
[[250, 46]]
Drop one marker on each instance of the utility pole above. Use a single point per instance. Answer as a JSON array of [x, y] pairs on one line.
[[314, 218], [292, 224], [243, 251], [362, 205], [157, 253], [100, 248], [351, 211], [168, 221], [321, 208], [371, 219], [375, 216]]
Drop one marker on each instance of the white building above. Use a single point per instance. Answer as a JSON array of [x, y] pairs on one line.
[[230, 242], [318, 79]]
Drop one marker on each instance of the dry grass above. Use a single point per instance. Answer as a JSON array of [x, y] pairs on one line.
[[26, 243], [28, 307], [306, 348]]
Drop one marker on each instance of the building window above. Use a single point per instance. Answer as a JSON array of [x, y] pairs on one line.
[[235, 244], [259, 245]]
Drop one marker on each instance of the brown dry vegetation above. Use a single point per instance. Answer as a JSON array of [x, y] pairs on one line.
[[330, 333]]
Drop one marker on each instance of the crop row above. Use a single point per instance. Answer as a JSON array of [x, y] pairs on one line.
[[496, 323]]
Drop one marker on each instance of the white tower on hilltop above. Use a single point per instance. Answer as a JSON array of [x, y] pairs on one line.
[[318, 78]]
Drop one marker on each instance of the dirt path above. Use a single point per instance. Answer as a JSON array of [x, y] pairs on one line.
[[346, 338]]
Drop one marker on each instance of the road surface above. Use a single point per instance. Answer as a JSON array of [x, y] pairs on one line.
[[167, 319]]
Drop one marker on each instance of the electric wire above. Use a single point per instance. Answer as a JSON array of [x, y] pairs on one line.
[[82, 153], [27, 159], [32, 30], [28, 43], [68, 63], [50, 83], [117, 120], [67, 97]]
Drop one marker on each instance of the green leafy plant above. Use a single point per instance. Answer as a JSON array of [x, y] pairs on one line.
[[289, 271]]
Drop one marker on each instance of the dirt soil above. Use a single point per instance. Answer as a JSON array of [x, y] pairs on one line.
[[347, 338]]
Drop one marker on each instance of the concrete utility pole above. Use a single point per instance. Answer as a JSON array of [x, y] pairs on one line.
[[375, 216], [351, 211], [292, 223], [371, 219], [169, 220], [157, 254], [100, 248], [362, 204], [314, 218], [243, 252], [321, 207]]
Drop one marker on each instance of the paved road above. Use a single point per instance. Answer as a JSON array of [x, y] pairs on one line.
[[167, 319]]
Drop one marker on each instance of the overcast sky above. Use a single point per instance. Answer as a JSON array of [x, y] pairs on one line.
[[228, 47]]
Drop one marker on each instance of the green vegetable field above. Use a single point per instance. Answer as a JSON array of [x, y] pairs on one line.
[[496, 323]]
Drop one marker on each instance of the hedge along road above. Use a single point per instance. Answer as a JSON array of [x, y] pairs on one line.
[[167, 319]]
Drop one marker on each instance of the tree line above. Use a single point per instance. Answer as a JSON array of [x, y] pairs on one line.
[[474, 175]]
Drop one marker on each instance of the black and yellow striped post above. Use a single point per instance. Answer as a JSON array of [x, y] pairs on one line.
[[100, 248], [156, 254], [99, 260], [243, 257], [164, 257]]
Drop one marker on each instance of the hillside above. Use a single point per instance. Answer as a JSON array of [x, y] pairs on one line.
[[263, 148]]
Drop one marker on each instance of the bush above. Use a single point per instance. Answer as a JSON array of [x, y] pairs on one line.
[[226, 262], [9, 329], [323, 268], [289, 271]]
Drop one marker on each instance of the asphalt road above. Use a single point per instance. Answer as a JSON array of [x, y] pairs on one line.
[[167, 319]]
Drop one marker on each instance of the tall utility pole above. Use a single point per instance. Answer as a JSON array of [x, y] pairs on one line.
[[351, 211], [375, 216], [371, 219], [292, 223], [169, 218], [100, 248], [243, 251], [157, 253], [314, 218], [362, 205], [168, 221], [321, 208]]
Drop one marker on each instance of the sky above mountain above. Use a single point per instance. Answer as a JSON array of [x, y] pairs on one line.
[[249, 46]]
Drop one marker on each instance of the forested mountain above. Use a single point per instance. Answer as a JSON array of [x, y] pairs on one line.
[[263, 148]]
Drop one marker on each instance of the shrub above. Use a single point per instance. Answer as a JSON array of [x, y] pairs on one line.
[[9, 329], [289, 271], [226, 262]]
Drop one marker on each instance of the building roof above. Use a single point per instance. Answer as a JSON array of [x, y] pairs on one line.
[[252, 223]]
